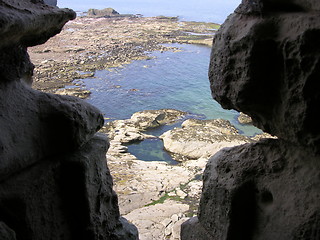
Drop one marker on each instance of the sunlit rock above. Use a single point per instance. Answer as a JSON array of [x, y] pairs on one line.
[[202, 138]]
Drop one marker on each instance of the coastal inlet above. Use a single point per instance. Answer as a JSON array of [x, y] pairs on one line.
[[168, 70]]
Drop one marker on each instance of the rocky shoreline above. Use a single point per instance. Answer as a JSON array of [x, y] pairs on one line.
[[87, 44], [155, 196]]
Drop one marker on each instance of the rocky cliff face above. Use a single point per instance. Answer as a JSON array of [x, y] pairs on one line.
[[265, 62], [54, 181]]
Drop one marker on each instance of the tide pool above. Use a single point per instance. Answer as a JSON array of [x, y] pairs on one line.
[[151, 150]]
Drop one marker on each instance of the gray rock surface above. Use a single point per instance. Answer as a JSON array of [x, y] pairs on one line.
[[159, 221], [54, 180], [156, 196], [265, 190], [267, 67], [201, 138], [265, 63], [68, 195], [131, 130], [30, 24], [36, 125]]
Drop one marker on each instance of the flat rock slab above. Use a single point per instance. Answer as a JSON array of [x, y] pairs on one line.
[[202, 138], [159, 221]]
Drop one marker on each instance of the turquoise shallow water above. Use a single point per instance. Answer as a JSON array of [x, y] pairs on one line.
[[175, 80]]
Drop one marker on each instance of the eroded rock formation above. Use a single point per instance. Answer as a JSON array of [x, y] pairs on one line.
[[54, 181], [202, 138], [265, 62]]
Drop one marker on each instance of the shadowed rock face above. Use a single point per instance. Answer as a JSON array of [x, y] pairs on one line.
[[258, 191], [54, 181], [265, 62]]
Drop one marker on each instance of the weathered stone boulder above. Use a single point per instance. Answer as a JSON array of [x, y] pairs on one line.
[[131, 130], [155, 118], [265, 62], [264, 190], [36, 125], [202, 138], [28, 23], [69, 195], [54, 180]]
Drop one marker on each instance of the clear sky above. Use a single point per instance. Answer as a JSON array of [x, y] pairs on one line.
[[197, 10]]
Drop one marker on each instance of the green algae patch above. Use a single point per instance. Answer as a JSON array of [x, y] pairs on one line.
[[163, 199]]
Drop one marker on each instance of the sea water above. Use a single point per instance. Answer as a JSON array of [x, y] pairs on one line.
[[177, 80], [189, 10], [170, 79]]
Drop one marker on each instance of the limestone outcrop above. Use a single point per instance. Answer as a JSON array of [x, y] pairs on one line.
[[131, 130], [202, 138], [54, 181], [265, 63]]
